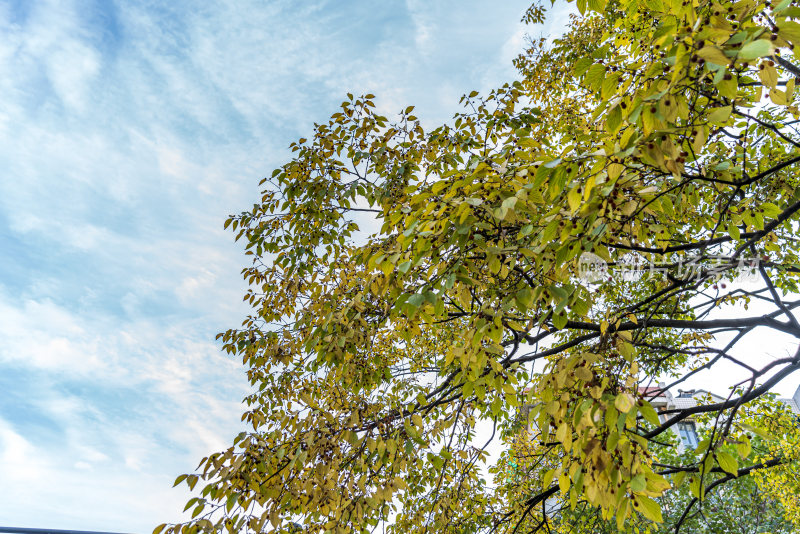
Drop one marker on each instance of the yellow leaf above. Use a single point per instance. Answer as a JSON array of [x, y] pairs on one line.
[[417, 420], [563, 483], [648, 508], [622, 514], [548, 478], [744, 448], [584, 374], [700, 139], [624, 402], [728, 87], [790, 31], [768, 75], [720, 115], [614, 170], [574, 199], [562, 433], [712, 54], [728, 463], [656, 483], [778, 97]]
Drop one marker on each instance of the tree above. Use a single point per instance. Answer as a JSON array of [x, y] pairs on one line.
[[410, 288], [744, 505]]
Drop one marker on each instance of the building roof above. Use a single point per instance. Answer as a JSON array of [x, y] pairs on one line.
[[684, 402], [690, 398], [651, 391], [792, 404]]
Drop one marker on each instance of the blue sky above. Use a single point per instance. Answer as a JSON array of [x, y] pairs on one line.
[[128, 132]]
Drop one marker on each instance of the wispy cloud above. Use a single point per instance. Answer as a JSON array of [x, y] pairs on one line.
[[121, 405]]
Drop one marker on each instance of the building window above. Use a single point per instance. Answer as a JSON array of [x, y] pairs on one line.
[[688, 434]]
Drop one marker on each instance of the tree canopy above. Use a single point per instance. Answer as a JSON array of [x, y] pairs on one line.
[[421, 298]]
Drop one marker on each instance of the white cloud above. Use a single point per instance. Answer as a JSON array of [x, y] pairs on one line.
[[39, 334], [54, 41], [134, 404], [19, 461], [71, 68], [79, 494], [424, 24]]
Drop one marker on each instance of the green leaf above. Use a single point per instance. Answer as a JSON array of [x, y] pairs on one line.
[[755, 49], [582, 65], [552, 163], [560, 321], [649, 413], [790, 31], [416, 300], [580, 307], [770, 210], [758, 431], [649, 508], [720, 115], [524, 297], [610, 85], [198, 510], [595, 76], [638, 483], [733, 231], [614, 119], [728, 87], [744, 448], [728, 462]]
